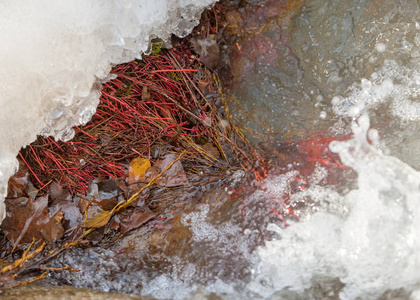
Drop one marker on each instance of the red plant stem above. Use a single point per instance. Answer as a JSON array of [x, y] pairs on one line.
[[30, 169], [37, 158], [173, 70], [81, 130]]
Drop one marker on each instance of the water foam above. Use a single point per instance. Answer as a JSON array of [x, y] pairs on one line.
[[371, 248]]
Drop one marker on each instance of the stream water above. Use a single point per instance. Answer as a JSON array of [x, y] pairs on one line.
[[304, 73]]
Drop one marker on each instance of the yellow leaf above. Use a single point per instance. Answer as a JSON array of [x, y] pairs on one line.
[[99, 220], [137, 169]]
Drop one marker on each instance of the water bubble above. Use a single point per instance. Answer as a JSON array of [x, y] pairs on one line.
[[366, 84], [373, 134], [335, 100], [380, 47], [335, 146], [354, 111]]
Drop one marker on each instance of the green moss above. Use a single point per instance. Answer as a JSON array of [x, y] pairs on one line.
[[173, 76], [156, 48]]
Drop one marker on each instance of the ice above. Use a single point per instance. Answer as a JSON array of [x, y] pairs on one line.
[[55, 55]]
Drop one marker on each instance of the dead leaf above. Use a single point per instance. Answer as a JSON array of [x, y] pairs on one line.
[[134, 218], [82, 204], [89, 205], [175, 176], [134, 188], [18, 182], [202, 84], [115, 223], [209, 51], [145, 95], [137, 170], [58, 193], [12, 203], [106, 204], [212, 150], [31, 191], [54, 230], [99, 220], [122, 185], [108, 189], [152, 172], [24, 223], [72, 215]]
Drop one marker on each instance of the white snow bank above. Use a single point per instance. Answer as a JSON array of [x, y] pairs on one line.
[[55, 53]]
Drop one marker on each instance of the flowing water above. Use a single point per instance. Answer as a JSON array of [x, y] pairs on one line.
[[304, 73]]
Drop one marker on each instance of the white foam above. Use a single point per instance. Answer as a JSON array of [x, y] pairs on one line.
[[372, 248], [54, 54]]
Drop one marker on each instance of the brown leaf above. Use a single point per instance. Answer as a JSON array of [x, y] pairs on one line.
[[82, 204], [115, 223], [12, 203], [72, 215], [58, 193], [93, 210], [145, 95], [202, 84], [54, 230], [209, 51], [212, 150], [152, 172], [31, 191], [25, 222], [134, 218], [137, 170], [123, 186], [108, 189], [107, 204], [175, 176], [90, 206], [144, 194], [18, 182]]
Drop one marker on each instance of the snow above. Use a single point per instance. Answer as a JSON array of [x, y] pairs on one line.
[[55, 55]]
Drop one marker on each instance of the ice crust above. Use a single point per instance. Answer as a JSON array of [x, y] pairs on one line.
[[55, 54]]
